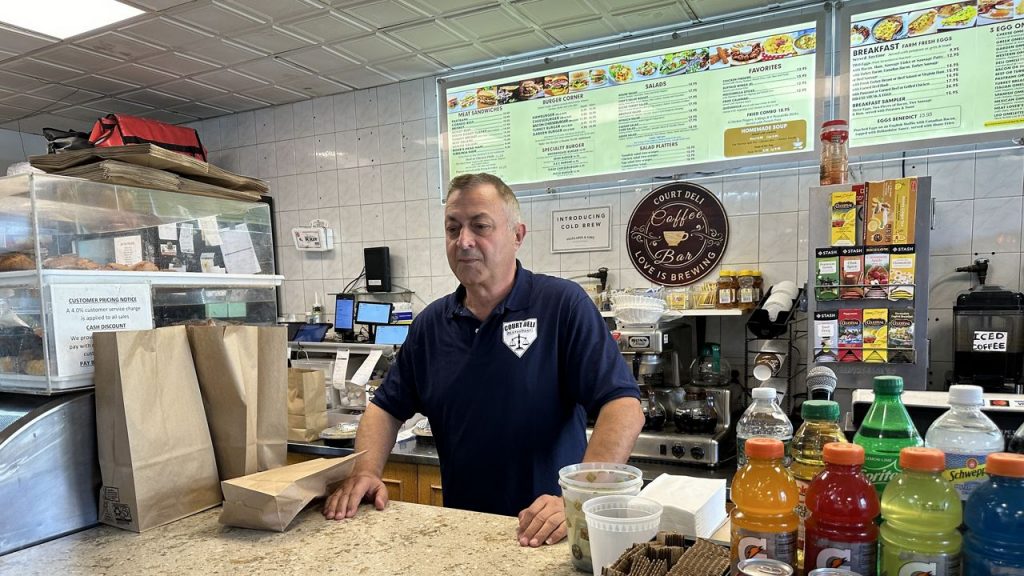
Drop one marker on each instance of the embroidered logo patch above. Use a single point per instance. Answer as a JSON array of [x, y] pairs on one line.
[[518, 335]]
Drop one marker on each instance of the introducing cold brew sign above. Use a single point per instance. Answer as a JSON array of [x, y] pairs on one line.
[[677, 234]]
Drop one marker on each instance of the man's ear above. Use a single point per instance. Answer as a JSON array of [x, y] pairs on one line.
[[520, 233]]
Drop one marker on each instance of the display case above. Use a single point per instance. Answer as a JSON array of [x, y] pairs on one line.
[[78, 257]]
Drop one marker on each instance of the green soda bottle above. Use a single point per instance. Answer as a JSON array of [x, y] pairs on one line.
[[921, 514], [886, 429]]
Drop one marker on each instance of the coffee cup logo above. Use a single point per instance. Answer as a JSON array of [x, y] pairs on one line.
[[677, 234]]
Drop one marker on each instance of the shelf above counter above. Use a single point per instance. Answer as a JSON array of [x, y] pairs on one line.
[[27, 278], [670, 315]]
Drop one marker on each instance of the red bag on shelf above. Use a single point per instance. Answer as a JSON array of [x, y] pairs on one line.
[[121, 129]]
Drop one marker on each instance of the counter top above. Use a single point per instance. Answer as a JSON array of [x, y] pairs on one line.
[[407, 539]]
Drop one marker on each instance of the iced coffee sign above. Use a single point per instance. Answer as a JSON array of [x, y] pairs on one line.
[[985, 341], [81, 309], [677, 234]]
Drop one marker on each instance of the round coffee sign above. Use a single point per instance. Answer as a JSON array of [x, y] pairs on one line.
[[677, 234]]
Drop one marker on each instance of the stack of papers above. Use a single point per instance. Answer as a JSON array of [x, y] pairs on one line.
[[692, 506]]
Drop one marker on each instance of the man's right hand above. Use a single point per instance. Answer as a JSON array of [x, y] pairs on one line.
[[355, 489]]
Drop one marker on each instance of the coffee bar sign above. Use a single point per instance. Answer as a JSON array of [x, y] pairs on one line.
[[677, 234], [581, 229]]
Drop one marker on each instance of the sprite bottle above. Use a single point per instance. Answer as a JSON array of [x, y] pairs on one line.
[[886, 429]]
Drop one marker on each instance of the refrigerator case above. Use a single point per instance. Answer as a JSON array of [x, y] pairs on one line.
[[78, 257]]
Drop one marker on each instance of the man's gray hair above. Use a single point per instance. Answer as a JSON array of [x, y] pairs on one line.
[[470, 181]]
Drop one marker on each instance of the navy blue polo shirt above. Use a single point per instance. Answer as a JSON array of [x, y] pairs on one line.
[[507, 398]]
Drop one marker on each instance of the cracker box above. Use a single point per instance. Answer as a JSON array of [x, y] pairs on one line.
[[875, 322]]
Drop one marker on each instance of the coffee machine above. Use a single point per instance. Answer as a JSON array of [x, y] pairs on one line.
[[660, 357], [988, 337]]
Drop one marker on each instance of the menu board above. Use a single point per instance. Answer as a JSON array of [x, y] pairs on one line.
[[936, 70], [732, 98]]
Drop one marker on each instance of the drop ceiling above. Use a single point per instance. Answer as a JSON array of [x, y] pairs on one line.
[[187, 60]]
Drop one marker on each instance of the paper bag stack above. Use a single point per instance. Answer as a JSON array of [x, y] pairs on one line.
[[307, 404]]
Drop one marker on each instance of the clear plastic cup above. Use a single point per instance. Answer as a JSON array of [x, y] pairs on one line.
[[581, 482], [617, 522]]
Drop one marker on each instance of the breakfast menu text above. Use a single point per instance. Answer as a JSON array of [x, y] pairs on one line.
[[933, 70], [736, 97]]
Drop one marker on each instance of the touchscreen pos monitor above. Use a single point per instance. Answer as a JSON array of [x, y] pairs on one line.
[[393, 334], [344, 308], [311, 332], [373, 313]]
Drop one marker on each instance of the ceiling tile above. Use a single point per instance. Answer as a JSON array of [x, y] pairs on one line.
[[327, 27], [415, 66], [118, 106], [191, 89], [118, 46], [157, 5], [21, 41], [168, 117], [18, 82], [35, 124], [101, 84], [549, 12], [229, 80], [30, 102], [586, 31], [165, 32], [626, 5], [659, 17], [461, 55], [218, 19], [276, 10], [85, 60], [427, 36], [179, 64], [234, 102], [273, 40], [362, 78], [371, 48], [198, 110], [65, 94], [321, 60], [82, 113], [276, 94], [40, 69], [138, 74], [311, 85], [222, 52], [711, 8], [518, 44], [153, 98], [489, 23], [271, 70], [438, 7], [12, 112], [385, 13]]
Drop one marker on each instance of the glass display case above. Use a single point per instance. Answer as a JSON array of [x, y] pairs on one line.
[[78, 257]]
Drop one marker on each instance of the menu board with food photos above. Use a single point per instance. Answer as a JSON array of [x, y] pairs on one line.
[[744, 96], [932, 70]]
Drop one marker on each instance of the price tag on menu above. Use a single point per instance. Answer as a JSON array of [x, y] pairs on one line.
[[340, 369]]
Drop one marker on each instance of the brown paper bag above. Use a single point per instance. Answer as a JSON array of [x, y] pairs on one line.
[[270, 500], [156, 456], [226, 363], [271, 406], [307, 404]]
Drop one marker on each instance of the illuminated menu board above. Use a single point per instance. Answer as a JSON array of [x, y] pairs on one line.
[[733, 98], [936, 70]]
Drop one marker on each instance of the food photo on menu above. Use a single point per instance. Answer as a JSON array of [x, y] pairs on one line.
[[486, 97], [579, 81], [598, 77], [556, 85], [530, 89], [508, 93], [620, 73]]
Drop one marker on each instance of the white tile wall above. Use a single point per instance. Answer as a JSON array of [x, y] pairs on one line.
[[367, 162]]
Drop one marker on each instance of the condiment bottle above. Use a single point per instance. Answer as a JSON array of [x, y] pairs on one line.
[[727, 289], [834, 152], [758, 286], [746, 293]]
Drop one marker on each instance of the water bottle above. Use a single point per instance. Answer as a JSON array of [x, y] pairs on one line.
[[1016, 444], [763, 418], [966, 436], [886, 429], [994, 517]]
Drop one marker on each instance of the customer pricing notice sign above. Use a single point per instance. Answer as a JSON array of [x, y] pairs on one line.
[[933, 70], [732, 97]]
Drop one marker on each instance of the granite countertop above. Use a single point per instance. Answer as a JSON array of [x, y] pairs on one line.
[[408, 539]]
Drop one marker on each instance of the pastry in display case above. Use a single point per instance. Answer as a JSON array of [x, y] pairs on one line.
[[78, 257]]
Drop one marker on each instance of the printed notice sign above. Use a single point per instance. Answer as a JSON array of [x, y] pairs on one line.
[[128, 250], [581, 230], [81, 309], [990, 341]]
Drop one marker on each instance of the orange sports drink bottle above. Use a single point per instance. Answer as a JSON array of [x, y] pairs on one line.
[[764, 522]]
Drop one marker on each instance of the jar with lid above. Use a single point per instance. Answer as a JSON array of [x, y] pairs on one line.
[[746, 292], [727, 288], [678, 298], [758, 287], [834, 153]]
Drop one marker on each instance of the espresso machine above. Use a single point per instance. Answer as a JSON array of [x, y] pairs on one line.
[[686, 422]]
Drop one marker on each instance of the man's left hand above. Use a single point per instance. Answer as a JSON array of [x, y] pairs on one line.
[[543, 522]]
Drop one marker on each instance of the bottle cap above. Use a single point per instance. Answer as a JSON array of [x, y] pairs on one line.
[[763, 393], [820, 410], [888, 385], [764, 448], [922, 459], [966, 394], [726, 272], [746, 272], [843, 453], [1005, 464], [757, 272]]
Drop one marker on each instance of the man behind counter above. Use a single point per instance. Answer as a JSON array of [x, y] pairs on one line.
[[506, 368]]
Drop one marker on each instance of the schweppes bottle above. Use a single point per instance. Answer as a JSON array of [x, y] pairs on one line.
[[886, 429], [764, 522]]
